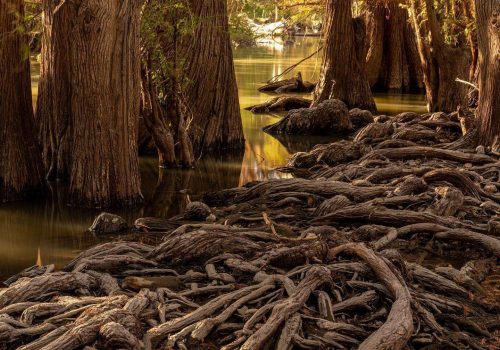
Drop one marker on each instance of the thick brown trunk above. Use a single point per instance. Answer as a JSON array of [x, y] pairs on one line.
[[441, 63], [397, 74], [20, 165], [53, 107], [392, 60], [375, 40], [488, 33], [88, 106], [412, 56], [343, 74], [212, 94], [105, 80], [470, 12]]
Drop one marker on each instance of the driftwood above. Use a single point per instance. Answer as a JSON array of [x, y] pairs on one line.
[[280, 104], [296, 84]]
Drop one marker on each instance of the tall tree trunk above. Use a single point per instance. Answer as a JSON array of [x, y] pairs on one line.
[[105, 101], [441, 63], [488, 33], [392, 59], [375, 24], [53, 107], [470, 12], [212, 94], [343, 74], [21, 171]]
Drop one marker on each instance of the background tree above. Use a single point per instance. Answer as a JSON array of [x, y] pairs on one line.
[[212, 93], [21, 171], [190, 64], [53, 108], [165, 114], [343, 73], [444, 55], [393, 63], [488, 33]]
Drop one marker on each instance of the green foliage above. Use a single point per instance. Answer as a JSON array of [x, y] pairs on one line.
[[18, 28], [240, 31], [166, 29], [306, 13]]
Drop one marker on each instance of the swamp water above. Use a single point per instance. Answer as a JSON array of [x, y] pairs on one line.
[[48, 232]]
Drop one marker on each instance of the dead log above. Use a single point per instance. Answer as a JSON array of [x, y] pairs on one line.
[[391, 217], [295, 84], [37, 288], [280, 104]]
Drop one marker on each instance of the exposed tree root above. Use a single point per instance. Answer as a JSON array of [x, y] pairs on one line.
[[388, 242]]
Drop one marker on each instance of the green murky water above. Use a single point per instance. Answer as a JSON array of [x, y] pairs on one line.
[[47, 231]]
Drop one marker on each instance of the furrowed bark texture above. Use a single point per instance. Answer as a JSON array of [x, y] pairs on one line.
[[105, 102], [212, 93], [343, 74], [88, 106], [20, 165], [53, 107], [392, 60], [441, 63], [488, 30]]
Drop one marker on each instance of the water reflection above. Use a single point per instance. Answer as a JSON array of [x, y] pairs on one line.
[[169, 190], [47, 231]]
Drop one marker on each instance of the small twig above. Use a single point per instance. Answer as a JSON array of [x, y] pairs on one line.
[[458, 80], [293, 66]]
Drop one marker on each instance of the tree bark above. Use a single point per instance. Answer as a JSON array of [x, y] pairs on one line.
[[105, 80], [343, 74], [488, 32], [21, 164], [212, 94], [441, 63], [53, 108], [392, 60]]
